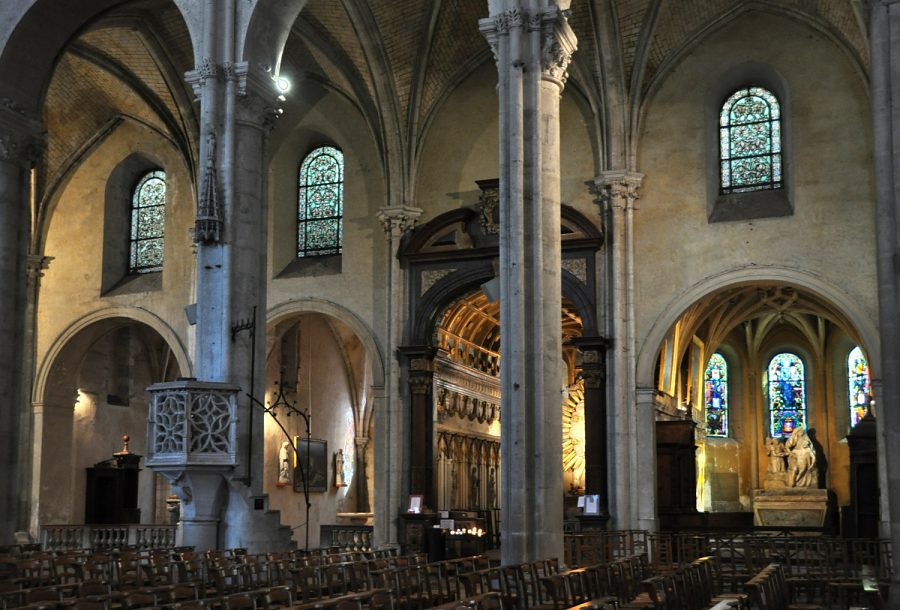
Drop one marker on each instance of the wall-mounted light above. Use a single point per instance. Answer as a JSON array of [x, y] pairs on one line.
[[282, 84]]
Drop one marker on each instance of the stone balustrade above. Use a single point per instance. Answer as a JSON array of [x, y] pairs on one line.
[[106, 537]]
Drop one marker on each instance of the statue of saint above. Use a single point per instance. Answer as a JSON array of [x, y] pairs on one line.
[[284, 465], [801, 460], [492, 488], [339, 469], [777, 452], [474, 488]]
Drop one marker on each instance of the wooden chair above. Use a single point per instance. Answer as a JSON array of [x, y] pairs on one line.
[[277, 597]]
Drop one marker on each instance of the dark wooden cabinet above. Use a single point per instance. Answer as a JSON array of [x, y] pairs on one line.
[[112, 490], [676, 467], [861, 517]]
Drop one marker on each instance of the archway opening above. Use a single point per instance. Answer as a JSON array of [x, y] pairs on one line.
[[741, 370], [95, 394], [321, 367], [467, 406]]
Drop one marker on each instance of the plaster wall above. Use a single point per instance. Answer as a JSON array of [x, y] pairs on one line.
[[71, 287], [355, 279], [453, 158], [675, 246]]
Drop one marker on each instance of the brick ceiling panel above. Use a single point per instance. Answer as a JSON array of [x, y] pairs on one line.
[[839, 15], [676, 23], [176, 38], [456, 40], [401, 24], [82, 98], [630, 15], [586, 54], [330, 18], [126, 48]]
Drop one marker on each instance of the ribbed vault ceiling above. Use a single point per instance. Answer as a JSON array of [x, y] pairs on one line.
[[396, 59]]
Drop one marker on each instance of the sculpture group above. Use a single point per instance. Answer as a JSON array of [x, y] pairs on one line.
[[792, 463]]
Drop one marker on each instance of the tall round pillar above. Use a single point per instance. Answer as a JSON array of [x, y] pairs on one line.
[[533, 47], [18, 145]]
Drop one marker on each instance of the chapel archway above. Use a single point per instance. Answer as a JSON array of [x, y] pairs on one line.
[[319, 363], [452, 351], [90, 393], [745, 364]]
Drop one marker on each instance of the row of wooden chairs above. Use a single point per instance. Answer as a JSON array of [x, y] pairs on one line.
[[769, 590], [690, 587]]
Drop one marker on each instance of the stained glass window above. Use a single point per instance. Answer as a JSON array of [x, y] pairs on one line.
[[148, 219], [858, 377], [321, 203], [750, 141], [716, 391], [787, 395]]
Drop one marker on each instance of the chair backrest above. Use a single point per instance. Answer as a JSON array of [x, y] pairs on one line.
[[381, 600], [239, 602]]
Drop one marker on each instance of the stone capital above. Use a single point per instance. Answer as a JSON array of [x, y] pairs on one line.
[[197, 78], [558, 46], [397, 220], [420, 382], [259, 101], [34, 268], [616, 189], [593, 378]]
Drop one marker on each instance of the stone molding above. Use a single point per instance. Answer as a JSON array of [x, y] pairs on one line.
[[397, 220], [616, 189]]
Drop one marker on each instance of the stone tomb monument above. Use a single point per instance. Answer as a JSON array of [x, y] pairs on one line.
[[790, 496]]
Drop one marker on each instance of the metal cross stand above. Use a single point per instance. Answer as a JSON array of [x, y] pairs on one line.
[[281, 402]]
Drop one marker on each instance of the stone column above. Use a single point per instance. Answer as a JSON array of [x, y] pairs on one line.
[[238, 105], [884, 40], [361, 477], [390, 428], [593, 371], [420, 376], [532, 47], [254, 116], [616, 194], [643, 462], [18, 145]]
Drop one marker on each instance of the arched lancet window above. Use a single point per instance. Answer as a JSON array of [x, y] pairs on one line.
[[716, 392], [787, 394], [148, 219], [858, 378], [750, 141], [320, 208]]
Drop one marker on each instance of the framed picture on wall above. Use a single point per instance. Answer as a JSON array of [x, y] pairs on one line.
[[316, 466], [415, 504]]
